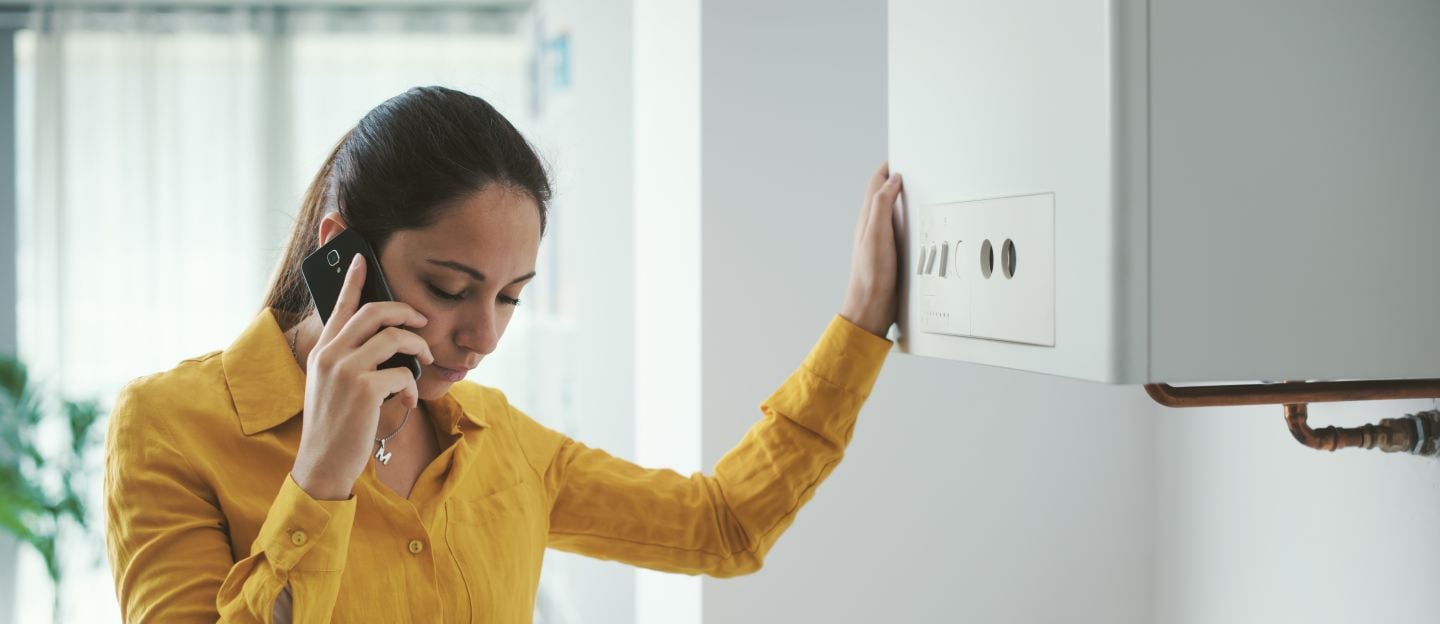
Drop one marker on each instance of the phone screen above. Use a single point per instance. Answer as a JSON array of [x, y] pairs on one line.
[[324, 272]]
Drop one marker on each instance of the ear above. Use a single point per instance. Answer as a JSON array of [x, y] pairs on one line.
[[331, 225]]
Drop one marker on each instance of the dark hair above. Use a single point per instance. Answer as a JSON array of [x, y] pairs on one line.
[[400, 168]]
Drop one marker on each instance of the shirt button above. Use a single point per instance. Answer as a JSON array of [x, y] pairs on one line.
[[298, 538], [416, 546]]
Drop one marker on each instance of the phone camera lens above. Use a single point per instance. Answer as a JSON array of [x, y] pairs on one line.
[[333, 257]]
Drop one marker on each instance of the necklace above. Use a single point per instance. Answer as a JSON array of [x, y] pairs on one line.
[[380, 454]]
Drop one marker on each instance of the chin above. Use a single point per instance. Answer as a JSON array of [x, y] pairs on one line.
[[432, 387]]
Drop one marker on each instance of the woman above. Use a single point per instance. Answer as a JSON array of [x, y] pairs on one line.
[[285, 478]]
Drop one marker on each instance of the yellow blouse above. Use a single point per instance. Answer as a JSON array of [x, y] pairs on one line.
[[204, 522]]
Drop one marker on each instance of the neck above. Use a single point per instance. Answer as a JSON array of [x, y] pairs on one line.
[[306, 334]]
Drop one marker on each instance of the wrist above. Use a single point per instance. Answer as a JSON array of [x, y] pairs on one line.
[[318, 487], [868, 322]]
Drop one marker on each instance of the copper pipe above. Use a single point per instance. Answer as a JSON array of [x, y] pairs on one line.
[[1417, 433], [1292, 392], [1392, 435]]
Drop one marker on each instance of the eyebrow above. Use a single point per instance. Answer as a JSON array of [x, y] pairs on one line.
[[478, 276]]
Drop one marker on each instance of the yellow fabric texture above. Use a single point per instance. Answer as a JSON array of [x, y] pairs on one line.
[[205, 524]]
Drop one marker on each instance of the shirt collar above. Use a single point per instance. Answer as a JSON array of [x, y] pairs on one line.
[[268, 387]]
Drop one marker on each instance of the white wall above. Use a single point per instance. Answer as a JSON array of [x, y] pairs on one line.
[[588, 135], [668, 395], [1253, 527], [969, 493]]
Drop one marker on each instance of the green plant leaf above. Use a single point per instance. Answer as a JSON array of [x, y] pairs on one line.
[[34, 515], [13, 375], [82, 416]]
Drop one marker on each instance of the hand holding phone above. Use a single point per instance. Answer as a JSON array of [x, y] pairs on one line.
[[345, 384], [325, 271]]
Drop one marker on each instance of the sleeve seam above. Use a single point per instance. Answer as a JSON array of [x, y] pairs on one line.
[[716, 514], [515, 435], [799, 500], [622, 540], [751, 547], [838, 386], [803, 427], [167, 435]]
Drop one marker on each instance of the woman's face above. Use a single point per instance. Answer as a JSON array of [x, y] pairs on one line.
[[464, 273]]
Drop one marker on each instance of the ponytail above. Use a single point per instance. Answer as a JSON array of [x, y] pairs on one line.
[[288, 294]]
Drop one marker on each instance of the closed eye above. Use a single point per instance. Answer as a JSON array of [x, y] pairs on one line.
[[461, 295], [445, 295]]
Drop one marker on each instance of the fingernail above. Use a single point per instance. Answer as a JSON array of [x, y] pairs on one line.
[[354, 262]]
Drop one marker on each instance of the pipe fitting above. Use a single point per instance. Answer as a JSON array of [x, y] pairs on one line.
[[1417, 433]]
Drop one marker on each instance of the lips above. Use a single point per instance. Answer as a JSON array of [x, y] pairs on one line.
[[450, 374]]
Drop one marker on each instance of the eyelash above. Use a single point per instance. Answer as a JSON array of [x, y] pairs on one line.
[[445, 295]]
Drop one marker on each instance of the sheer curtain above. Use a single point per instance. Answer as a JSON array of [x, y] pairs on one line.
[[163, 154]]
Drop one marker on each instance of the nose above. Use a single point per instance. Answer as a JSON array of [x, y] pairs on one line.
[[478, 332]]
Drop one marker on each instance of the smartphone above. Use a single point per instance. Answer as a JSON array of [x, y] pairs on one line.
[[325, 270]]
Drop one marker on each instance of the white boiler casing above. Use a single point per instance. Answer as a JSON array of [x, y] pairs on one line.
[[1191, 191]]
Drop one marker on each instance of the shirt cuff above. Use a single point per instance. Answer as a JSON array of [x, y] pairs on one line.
[[305, 534], [848, 356]]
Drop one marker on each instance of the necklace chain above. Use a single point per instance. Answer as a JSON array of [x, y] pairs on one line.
[[380, 454]]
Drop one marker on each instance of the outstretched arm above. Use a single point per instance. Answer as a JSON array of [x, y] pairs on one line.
[[724, 524]]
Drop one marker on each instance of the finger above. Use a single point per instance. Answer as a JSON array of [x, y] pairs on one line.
[[375, 316], [899, 213], [394, 381], [387, 343], [883, 209], [347, 302], [860, 223], [877, 180], [410, 396]]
